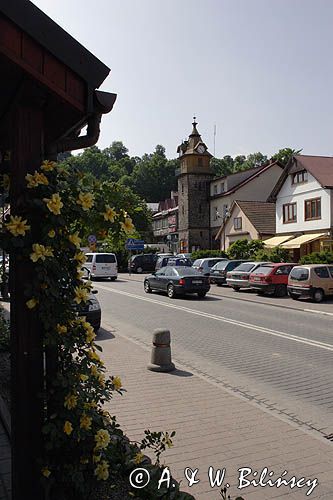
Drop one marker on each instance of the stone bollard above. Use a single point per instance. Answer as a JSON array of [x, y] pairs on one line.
[[161, 352]]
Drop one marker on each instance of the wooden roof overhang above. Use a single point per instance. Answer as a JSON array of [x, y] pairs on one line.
[[38, 57]]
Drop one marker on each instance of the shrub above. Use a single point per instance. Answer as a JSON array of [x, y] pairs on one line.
[[244, 249], [276, 254], [205, 254], [317, 258]]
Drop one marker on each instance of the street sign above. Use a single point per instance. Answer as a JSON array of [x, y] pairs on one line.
[[92, 239], [133, 244]]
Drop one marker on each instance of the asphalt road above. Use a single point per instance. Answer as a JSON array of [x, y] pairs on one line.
[[279, 358]]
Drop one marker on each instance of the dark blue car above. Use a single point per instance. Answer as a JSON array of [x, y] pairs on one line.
[[177, 280]]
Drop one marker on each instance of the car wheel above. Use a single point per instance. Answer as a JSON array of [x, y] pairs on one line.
[[318, 295], [97, 327], [201, 295], [171, 292], [236, 288], [113, 278], [139, 270], [146, 287], [280, 291], [218, 284]]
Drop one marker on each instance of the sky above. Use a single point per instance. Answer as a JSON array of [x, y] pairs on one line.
[[258, 71]]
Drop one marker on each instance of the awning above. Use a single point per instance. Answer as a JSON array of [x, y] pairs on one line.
[[300, 240], [277, 240]]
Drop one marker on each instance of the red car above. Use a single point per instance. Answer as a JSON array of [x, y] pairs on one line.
[[271, 278]]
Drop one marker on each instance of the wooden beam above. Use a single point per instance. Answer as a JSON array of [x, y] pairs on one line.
[[27, 374]]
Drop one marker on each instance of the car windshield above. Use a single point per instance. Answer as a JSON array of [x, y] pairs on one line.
[[197, 263], [299, 274], [245, 267], [263, 270], [181, 270], [220, 265]]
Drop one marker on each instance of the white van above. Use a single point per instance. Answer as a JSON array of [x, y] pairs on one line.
[[102, 265]]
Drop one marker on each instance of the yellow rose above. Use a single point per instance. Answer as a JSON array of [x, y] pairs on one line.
[[51, 233], [31, 303], [81, 294], [86, 200], [46, 472], [16, 226], [85, 422], [33, 180], [47, 165], [80, 257], [68, 428], [109, 214], [127, 225], [116, 381], [102, 471], [40, 252], [102, 439], [74, 238], [70, 401], [54, 204], [138, 458], [61, 329]]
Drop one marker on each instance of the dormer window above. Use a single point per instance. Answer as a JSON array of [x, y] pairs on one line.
[[300, 177]]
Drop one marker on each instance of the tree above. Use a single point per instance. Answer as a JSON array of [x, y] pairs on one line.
[[154, 176], [116, 152], [284, 155]]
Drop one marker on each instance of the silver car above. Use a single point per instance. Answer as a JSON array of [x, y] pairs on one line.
[[239, 277], [204, 265]]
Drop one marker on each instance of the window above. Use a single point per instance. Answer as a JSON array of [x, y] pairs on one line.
[[300, 177], [182, 188], [312, 209], [237, 223], [289, 213], [183, 210], [321, 272], [283, 270], [330, 268], [216, 213], [222, 187], [215, 189], [106, 258]]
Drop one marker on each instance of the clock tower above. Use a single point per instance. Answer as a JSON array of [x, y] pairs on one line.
[[194, 178]]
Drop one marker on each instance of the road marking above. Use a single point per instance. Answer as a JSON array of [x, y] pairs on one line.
[[242, 324], [316, 311]]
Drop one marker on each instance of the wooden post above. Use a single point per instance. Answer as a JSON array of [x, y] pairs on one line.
[[27, 373]]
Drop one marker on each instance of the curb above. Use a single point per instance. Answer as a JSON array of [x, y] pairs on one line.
[[314, 311]]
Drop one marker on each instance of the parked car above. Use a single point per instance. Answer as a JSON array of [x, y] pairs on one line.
[[91, 311], [218, 272], [204, 265], [142, 263], [162, 261], [177, 280], [102, 265], [184, 256], [271, 278], [239, 277], [313, 281], [179, 261]]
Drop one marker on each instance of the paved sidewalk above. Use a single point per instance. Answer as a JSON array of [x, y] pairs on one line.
[[213, 428]]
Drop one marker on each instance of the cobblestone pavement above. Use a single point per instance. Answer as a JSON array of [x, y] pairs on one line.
[[213, 428]]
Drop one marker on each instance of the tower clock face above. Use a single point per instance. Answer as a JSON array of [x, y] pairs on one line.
[[201, 148]]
